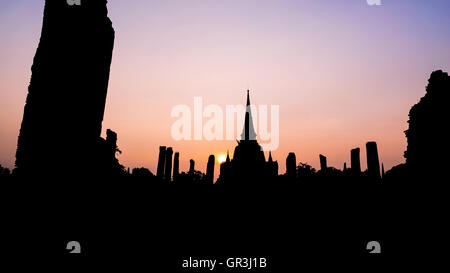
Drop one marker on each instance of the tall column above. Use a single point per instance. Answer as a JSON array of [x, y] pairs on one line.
[[323, 163], [161, 161], [355, 160], [210, 169], [373, 163], [291, 166], [176, 165], [64, 109], [191, 166], [168, 170]]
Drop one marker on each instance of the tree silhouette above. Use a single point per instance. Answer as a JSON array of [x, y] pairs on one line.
[[142, 172], [4, 172], [304, 170]]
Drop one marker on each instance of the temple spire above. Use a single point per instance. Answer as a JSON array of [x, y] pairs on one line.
[[248, 132], [248, 97]]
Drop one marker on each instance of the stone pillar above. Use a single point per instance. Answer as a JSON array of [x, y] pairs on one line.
[[191, 166], [355, 161], [168, 169], [176, 165], [64, 109], [210, 169], [161, 161], [373, 163], [291, 166], [323, 163]]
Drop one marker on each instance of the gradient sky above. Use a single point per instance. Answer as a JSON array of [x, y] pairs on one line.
[[342, 72]]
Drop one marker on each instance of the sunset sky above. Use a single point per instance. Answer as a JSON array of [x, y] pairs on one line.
[[342, 72]]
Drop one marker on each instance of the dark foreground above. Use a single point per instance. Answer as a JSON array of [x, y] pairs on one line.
[[133, 225]]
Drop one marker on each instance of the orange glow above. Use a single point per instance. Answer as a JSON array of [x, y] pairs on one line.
[[337, 81], [221, 158]]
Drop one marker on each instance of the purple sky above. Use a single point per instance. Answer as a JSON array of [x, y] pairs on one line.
[[342, 72]]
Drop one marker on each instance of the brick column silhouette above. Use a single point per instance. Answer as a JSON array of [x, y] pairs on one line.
[[65, 105], [161, 161], [355, 161], [176, 165], [191, 166], [323, 163], [168, 170], [210, 169], [373, 163], [291, 166]]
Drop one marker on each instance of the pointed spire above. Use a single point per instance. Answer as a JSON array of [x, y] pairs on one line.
[[248, 97], [228, 156], [270, 157], [248, 132]]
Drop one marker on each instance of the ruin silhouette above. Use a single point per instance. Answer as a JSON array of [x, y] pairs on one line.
[[291, 166], [168, 165], [114, 212], [355, 161], [191, 166], [373, 163], [248, 165], [64, 109], [61, 128], [427, 151], [161, 161], [176, 166], [210, 169], [272, 166], [323, 163]]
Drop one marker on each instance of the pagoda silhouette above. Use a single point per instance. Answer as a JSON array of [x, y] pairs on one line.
[[248, 165]]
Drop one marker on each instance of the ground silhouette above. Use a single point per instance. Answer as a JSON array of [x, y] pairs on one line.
[[253, 210]]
